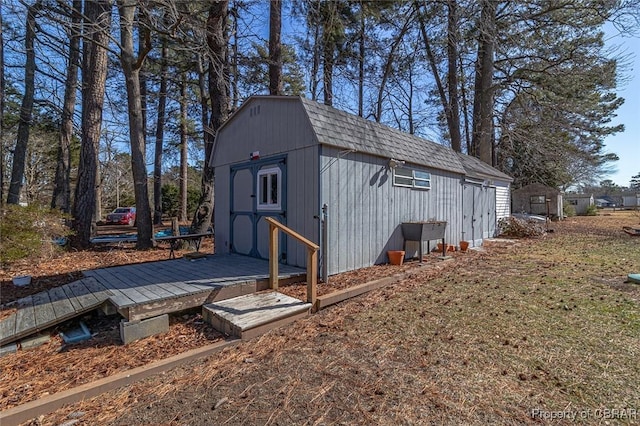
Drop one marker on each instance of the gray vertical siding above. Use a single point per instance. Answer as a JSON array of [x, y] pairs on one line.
[[302, 194], [271, 126], [366, 210], [280, 126]]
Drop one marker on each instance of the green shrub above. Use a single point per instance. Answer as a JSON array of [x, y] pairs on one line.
[[568, 210], [171, 203], [592, 210], [29, 231]]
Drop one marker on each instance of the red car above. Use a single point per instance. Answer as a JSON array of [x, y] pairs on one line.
[[123, 215]]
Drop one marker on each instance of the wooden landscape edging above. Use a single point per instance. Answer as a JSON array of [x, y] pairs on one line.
[[48, 404], [341, 295]]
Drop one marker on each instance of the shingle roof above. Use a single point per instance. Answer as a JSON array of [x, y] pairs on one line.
[[478, 169], [341, 129], [576, 196]]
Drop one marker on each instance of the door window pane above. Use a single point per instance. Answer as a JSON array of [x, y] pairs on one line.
[[269, 188]]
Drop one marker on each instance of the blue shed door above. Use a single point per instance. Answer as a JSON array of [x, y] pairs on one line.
[[258, 190]]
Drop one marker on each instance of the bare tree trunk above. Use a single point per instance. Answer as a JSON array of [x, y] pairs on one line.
[[389, 62], [142, 76], [61, 198], [361, 53], [1, 111], [204, 98], [131, 66], [315, 66], [182, 213], [328, 50], [94, 74], [26, 110], [235, 92], [275, 47], [449, 105], [217, 43], [99, 198], [465, 107], [412, 126], [453, 117], [483, 92], [159, 146]]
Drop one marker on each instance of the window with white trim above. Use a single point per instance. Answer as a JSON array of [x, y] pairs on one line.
[[269, 188], [410, 178]]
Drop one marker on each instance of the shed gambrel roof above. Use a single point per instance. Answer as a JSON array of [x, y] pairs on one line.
[[478, 169], [343, 130]]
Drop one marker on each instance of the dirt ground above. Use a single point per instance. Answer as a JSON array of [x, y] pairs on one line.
[[486, 338]]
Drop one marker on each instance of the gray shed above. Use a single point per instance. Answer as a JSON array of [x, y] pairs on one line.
[[287, 157], [532, 199], [580, 202], [631, 201]]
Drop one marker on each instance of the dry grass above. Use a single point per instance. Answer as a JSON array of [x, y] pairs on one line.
[[542, 324]]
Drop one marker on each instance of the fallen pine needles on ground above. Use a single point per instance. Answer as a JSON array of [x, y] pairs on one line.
[[506, 336]]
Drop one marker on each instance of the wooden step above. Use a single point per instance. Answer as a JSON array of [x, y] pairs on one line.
[[254, 314]]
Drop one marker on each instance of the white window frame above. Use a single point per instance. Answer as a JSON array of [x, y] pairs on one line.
[[269, 173], [411, 178]]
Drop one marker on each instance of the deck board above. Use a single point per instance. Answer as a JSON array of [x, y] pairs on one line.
[[43, 309], [114, 285], [177, 278], [68, 291], [83, 295], [155, 282], [60, 303], [144, 290], [128, 296], [100, 291], [133, 282], [25, 317], [8, 326]]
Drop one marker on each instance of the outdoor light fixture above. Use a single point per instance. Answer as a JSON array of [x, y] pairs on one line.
[[393, 163]]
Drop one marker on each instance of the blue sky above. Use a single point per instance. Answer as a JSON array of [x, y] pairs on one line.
[[627, 143]]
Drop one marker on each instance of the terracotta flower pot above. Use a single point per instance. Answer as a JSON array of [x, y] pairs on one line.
[[464, 246], [450, 247], [396, 257]]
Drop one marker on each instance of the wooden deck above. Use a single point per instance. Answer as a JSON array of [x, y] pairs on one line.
[[143, 290]]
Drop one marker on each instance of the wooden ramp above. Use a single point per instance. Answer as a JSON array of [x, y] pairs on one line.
[[48, 308], [141, 291], [254, 314]]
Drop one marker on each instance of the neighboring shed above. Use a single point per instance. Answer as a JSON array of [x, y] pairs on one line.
[[533, 198], [631, 201], [287, 157], [580, 202], [608, 200]]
